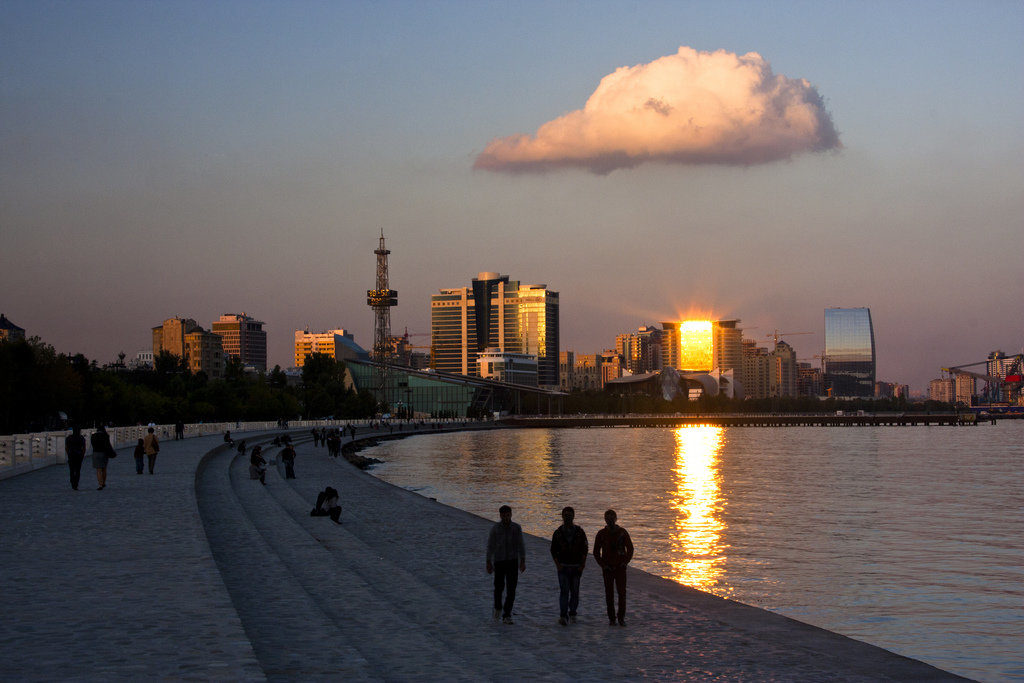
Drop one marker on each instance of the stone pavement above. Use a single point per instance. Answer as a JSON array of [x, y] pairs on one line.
[[200, 572]]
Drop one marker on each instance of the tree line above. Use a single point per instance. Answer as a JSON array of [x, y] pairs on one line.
[[41, 389]]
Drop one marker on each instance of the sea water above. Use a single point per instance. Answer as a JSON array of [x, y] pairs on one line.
[[909, 538]]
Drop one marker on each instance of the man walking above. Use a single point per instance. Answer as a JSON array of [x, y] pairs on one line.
[[613, 549], [74, 448], [569, 550], [152, 446], [506, 555], [288, 458]]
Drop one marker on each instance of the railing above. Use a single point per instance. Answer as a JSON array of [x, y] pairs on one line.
[[20, 453]]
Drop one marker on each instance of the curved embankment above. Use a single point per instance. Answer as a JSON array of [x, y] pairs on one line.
[[398, 591]]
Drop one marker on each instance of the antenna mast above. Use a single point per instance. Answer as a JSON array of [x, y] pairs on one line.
[[381, 300]]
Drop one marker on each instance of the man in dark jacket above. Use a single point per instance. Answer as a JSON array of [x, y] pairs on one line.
[[569, 550], [506, 554], [74, 447], [613, 549]]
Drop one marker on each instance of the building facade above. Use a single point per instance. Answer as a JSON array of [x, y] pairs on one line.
[[170, 336], [849, 352], [503, 366], [941, 390], [641, 350], [243, 337], [338, 344], [566, 361], [204, 353], [9, 331], [495, 312]]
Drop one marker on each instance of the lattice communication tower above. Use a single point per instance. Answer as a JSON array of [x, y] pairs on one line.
[[381, 300]]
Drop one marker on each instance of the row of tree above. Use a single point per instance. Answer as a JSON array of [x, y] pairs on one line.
[[41, 389]]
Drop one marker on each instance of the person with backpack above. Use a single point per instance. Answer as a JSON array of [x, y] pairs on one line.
[[569, 550], [613, 549]]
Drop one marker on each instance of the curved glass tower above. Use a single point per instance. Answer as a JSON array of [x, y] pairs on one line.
[[849, 352]]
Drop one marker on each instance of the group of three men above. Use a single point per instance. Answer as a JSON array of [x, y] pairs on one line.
[[613, 549]]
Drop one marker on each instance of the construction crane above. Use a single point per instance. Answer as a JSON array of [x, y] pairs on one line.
[[993, 383], [776, 334]]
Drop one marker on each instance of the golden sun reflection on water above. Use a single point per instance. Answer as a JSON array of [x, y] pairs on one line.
[[696, 540]]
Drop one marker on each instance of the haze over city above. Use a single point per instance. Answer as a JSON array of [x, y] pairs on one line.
[[195, 159]]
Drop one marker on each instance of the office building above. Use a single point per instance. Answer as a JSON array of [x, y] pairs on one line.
[[495, 312], [849, 352], [338, 344], [809, 380], [9, 331], [768, 374], [243, 337], [702, 345], [505, 366]]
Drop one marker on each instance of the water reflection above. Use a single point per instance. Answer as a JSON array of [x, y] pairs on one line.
[[696, 558]]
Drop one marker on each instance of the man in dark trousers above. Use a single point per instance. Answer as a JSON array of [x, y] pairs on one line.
[[613, 549], [506, 555], [569, 550], [288, 458], [74, 447]]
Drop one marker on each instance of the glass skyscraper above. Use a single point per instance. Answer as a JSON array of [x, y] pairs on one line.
[[499, 313], [849, 352]]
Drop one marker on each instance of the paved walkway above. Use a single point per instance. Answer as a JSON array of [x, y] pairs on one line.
[[199, 572]]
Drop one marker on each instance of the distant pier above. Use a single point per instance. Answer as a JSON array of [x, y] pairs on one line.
[[750, 420]]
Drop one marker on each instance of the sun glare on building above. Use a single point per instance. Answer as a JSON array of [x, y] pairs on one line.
[[696, 350]]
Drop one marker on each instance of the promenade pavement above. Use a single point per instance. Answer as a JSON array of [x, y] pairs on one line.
[[199, 572]]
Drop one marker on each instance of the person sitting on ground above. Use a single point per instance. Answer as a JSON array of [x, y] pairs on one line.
[[241, 447], [327, 505], [277, 440], [258, 465], [227, 438]]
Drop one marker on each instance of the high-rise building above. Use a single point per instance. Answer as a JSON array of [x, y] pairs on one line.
[[941, 390], [338, 344], [783, 372], [243, 337], [849, 352], [495, 312], [200, 349], [9, 331], [641, 350], [702, 345], [768, 374], [964, 388]]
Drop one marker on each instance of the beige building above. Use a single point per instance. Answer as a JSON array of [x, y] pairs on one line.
[[204, 352], [505, 366], [964, 388], [641, 350], [941, 390], [170, 336], [566, 366], [201, 350], [767, 374], [338, 344]]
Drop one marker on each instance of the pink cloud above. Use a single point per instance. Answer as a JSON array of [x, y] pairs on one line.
[[688, 108]]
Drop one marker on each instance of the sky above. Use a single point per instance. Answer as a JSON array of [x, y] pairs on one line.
[[649, 161]]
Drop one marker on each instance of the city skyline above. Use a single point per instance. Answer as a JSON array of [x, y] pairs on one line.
[[186, 159]]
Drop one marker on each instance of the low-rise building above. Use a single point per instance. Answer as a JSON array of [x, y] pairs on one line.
[[506, 366], [339, 344], [9, 331]]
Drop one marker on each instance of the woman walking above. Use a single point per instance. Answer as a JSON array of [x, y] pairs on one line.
[[102, 451]]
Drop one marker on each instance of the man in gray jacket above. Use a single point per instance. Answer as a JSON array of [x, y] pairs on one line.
[[505, 550]]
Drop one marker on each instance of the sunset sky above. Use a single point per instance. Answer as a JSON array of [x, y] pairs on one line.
[[648, 161]]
